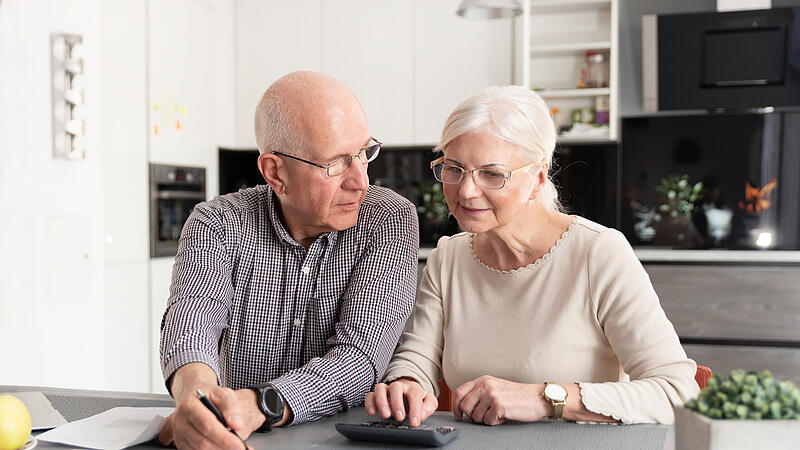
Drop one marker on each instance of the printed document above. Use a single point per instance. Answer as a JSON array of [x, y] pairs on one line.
[[116, 428]]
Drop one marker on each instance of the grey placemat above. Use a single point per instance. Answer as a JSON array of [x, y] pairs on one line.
[[76, 408], [536, 435]]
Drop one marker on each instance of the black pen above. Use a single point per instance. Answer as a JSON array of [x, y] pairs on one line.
[[204, 400]]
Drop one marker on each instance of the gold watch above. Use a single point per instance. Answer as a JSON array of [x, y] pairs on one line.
[[557, 395]]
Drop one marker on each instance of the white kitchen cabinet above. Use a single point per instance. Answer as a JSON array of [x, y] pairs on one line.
[[181, 82], [160, 279], [453, 58], [273, 37], [368, 45], [409, 63]]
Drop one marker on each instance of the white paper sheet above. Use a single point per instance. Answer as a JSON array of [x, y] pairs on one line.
[[43, 415], [114, 429]]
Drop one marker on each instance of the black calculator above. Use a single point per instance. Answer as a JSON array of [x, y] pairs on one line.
[[398, 433]]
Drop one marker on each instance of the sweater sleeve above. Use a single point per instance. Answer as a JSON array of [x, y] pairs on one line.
[[644, 340], [419, 353]]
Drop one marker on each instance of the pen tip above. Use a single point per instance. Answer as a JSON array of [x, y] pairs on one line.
[[200, 393]]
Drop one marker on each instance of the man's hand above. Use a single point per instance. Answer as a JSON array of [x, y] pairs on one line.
[[492, 401], [391, 399], [192, 425]]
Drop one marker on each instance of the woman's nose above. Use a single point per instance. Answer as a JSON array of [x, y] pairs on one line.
[[467, 187]]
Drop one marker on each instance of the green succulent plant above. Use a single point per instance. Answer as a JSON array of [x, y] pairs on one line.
[[748, 395], [680, 195]]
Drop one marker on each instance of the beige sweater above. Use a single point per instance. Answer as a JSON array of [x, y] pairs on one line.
[[585, 312]]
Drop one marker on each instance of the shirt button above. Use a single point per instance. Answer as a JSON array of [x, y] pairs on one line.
[[306, 270], [297, 322]]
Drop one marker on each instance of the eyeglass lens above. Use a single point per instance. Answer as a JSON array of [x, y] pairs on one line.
[[487, 178], [367, 154]]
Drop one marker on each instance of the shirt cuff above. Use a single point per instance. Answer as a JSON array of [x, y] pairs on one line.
[[181, 359], [293, 397]]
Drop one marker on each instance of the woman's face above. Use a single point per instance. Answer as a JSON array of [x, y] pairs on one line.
[[479, 209]]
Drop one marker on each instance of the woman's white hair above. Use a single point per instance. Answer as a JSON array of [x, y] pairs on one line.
[[516, 115]]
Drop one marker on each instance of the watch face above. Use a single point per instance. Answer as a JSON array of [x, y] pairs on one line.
[[555, 392], [273, 402]]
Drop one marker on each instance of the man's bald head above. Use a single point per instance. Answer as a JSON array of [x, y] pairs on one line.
[[298, 111]]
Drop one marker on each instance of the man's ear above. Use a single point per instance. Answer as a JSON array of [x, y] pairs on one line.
[[271, 167]]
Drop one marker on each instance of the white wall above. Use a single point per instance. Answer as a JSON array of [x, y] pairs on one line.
[[51, 246]]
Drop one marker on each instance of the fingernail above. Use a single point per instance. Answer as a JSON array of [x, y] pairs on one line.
[[414, 420], [385, 412], [399, 414]]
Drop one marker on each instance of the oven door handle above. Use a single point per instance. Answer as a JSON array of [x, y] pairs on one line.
[[181, 195]]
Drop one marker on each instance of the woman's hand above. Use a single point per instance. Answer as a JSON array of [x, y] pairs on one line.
[[392, 398], [492, 401]]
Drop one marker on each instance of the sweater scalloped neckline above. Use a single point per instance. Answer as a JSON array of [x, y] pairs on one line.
[[532, 265]]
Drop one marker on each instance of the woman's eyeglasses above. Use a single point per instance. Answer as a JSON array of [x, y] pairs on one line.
[[486, 178]]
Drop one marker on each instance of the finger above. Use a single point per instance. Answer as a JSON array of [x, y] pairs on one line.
[[415, 396], [165, 436], [396, 397], [369, 404], [228, 404], [458, 396], [429, 405], [493, 416], [478, 413], [468, 402], [382, 400], [210, 428]]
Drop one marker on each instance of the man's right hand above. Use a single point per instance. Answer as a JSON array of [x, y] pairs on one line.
[[388, 400], [193, 426]]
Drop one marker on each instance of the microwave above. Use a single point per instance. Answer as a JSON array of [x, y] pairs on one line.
[[738, 60]]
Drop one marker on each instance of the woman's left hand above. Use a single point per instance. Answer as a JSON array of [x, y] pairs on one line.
[[492, 400]]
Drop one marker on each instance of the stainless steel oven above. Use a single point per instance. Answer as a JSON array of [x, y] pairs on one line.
[[174, 191]]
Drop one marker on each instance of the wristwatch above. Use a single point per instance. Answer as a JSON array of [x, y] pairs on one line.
[[557, 395], [271, 404]]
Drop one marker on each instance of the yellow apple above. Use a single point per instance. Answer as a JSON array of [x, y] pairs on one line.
[[15, 423]]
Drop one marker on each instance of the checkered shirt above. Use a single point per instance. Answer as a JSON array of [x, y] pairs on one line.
[[320, 324]]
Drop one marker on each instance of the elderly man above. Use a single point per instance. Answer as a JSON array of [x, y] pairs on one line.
[[287, 300]]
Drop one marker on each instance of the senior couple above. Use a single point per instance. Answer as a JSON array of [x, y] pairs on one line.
[[288, 301]]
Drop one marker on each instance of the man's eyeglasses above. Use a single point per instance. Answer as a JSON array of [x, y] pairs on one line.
[[339, 165], [486, 178]]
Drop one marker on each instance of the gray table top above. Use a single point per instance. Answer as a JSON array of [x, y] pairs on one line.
[[77, 404]]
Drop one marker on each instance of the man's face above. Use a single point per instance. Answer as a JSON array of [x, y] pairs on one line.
[[315, 203]]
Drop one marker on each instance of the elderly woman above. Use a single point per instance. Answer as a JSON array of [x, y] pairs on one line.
[[530, 313]]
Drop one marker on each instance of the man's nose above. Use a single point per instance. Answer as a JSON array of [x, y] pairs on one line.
[[356, 176]]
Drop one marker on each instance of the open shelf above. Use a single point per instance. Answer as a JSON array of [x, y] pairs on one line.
[[566, 93], [562, 6], [569, 47]]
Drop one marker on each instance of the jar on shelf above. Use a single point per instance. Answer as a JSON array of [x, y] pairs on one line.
[[595, 72], [601, 109]]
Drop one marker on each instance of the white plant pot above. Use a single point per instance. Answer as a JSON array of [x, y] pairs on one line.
[[695, 431]]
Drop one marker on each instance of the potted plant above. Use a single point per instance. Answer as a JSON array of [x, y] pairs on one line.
[[435, 219], [746, 410], [676, 204]]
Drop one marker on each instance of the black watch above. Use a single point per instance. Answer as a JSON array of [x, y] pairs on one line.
[[270, 402]]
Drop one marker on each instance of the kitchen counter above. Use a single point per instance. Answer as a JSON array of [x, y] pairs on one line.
[[650, 255]]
